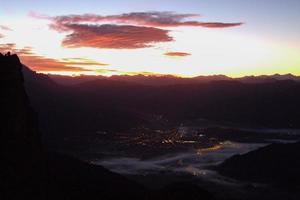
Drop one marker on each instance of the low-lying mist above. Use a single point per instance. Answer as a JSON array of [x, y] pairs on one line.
[[193, 162]]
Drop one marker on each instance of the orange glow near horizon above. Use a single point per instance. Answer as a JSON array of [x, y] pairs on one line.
[[194, 51]]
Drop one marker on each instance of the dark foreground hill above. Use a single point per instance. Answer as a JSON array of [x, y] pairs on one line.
[[277, 164], [28, 172]]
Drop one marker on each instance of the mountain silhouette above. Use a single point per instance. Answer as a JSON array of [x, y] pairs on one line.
[[164, 80], [115, 105]]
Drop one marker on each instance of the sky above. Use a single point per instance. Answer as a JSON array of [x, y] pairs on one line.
[[183, 38]]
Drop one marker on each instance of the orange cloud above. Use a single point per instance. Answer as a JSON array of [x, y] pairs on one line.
[[125, 31], [7, 47], [112, 36], [177, 54], [43, 64]]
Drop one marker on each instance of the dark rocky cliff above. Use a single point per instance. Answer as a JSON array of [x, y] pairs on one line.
[[21, 169]]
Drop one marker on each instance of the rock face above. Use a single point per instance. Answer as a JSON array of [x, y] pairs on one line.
[[276, 164], [21, 169]]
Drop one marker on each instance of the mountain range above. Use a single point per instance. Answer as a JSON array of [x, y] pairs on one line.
[[121, 102], [163, 80]]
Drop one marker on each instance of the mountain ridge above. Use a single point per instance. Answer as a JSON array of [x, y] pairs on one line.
[[172, 80]]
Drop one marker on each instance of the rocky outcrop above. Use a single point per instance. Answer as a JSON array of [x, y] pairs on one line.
[[21, 169]]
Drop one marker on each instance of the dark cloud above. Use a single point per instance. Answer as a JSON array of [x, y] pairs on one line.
[[112, 36], [154, 19], [177, 54], [216, 24], [5, 28]]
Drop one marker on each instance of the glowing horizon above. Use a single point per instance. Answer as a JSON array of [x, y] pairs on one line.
[[117, 41]]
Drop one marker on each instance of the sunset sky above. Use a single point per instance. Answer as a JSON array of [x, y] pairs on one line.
[[184, 38]]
